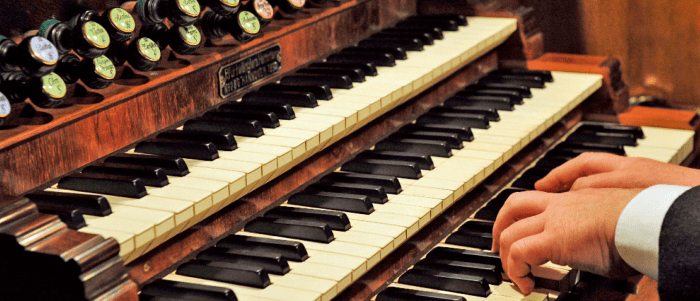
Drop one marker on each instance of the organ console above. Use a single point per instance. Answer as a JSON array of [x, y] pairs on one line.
[[343, 150]]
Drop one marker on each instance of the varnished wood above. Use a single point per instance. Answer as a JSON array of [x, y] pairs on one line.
[[647, 291], [610, 100], [660, 117], [655, 40]]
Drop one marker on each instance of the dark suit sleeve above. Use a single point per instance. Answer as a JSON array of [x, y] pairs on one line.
[[679, 249]]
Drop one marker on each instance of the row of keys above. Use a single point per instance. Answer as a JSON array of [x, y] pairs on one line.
[[360, 218], [458, 272], [212, 174]]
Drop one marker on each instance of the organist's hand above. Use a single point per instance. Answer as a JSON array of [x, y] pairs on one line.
[[601, 170], [572, 228]]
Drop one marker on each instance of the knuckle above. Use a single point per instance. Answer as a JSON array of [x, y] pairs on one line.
[[506, 238]]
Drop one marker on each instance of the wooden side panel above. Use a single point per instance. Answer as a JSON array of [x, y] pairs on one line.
[[43, 259], [655, 40], [615, 93]]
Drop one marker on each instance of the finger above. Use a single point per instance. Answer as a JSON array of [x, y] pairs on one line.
[[519, 230], [518, 206], [530, 251], [613, 179], [562, 177]]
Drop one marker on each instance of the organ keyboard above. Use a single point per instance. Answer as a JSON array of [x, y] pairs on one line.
[[238, 190]]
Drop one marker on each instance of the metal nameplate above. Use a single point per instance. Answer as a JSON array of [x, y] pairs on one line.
[[244, 72]]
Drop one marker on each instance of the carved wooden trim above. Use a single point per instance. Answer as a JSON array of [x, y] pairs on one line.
[[44, 259]]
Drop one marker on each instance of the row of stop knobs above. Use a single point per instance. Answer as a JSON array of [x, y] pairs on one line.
[[89, 46]]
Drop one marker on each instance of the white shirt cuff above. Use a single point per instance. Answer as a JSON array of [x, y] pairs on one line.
[[639, 226]]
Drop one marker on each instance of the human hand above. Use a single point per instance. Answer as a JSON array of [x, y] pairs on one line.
[[602, 170], [572, 228]]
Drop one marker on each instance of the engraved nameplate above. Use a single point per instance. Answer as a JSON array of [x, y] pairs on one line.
[[246, 71]]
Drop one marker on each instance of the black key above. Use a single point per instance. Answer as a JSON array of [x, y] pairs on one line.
[[471, 239], [104, 184], [465, 133], [290, 250], [480, 102], [435, 31], [613, 128], [402, 294], [399, 53], [530, 82], [467, 256], [525, 183], [489, 272], [225, 272], [544, 74], [291, 228], [535, 173], [408, 44], [322, 92], [390, 184], [458, 283], [419, 146], [562, 154], [590, 147], [461, 20], [172, 166], [282, 110], [223, 141], [569, 296], [335, 219], [522, 90], [386, 60], [178, 148], [477, 226], [271, 263], [490, 113], [333, 81], [87, 203], [462, 120], [401, 169], [550, 162], [151, 176], [452, 140], [488, 213], [515, 97], [188, 291], [267, 119], [295, 99], [370, 69], [423, 161], [356, 75], [602, 138], [502, 196], [149, 298], [421, 130], [376, 194], [425, 38], [246, 128], [73, 218], [333, 200], [444, 24]]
